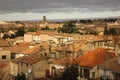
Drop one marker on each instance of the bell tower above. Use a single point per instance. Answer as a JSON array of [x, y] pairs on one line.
[[44, 19]]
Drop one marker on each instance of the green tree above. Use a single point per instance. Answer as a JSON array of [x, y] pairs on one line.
[[71, 73], [20, 32], [12, 36], [112, 31], [105, 30], [46, 28], [68, 27], [5, 36]]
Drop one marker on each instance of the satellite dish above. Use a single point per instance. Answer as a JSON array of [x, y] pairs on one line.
[[29, 71]]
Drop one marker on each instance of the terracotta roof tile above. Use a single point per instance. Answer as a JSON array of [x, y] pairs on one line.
[[38, 33], [64, 60], [71, 47], [111, 64], [17, 48], [4, 43], [28, 59], [94, 58], [22, 48]]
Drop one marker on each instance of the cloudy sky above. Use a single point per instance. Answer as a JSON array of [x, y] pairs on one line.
[[57, 9]]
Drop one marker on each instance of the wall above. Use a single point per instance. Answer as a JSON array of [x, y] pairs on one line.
[[25, 68], [13, 68], [28, 38], [36, 38], [101, 72], [44, 37], [57, 68], [6, 53], [40, 68]]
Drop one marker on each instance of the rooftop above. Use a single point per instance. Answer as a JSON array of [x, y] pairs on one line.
[[28, 59], [4, 43], [95, 57], [111, 64]]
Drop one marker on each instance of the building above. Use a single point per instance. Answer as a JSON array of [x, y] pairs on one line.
[[5, 55], [89, 60], [44, 19], [33, 67], [109, 69], [57, 67], [28, 37]]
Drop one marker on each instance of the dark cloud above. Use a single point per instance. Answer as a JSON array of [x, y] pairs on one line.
[[42, 6]]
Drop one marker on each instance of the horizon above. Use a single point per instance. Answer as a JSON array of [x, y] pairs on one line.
[[18, 10], [66, 19]]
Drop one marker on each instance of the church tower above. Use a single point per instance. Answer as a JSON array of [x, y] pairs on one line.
[[44, 19]]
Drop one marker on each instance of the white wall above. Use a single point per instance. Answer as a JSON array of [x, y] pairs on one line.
[[28, 38]]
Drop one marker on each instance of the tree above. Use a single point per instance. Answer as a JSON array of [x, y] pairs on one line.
[[20, 32], [46, 28], [105, 30], [112, 31], [12, 36], [71, 73], [68, 27], [5, 36]]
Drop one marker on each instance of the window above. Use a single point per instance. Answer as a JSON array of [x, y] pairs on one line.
[[27, 65], [93, 75], [81, 76], [21, 63], [86, 73], [14, 68], [3, 56], [12, 56]]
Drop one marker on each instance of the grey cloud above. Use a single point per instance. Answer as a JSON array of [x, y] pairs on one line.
[[42, 6]]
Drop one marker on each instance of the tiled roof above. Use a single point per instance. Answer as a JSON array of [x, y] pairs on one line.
[[48, 32], [111, 64], [4, 43], [28, 59], [64, 60], [31, 51], [94, 57], [30, 33], [71, 47], [18, 38], [38, 33], [17, 48], [22, 48]]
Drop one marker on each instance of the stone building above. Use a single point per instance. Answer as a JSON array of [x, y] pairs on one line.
[[33, 67], [5, 55]]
